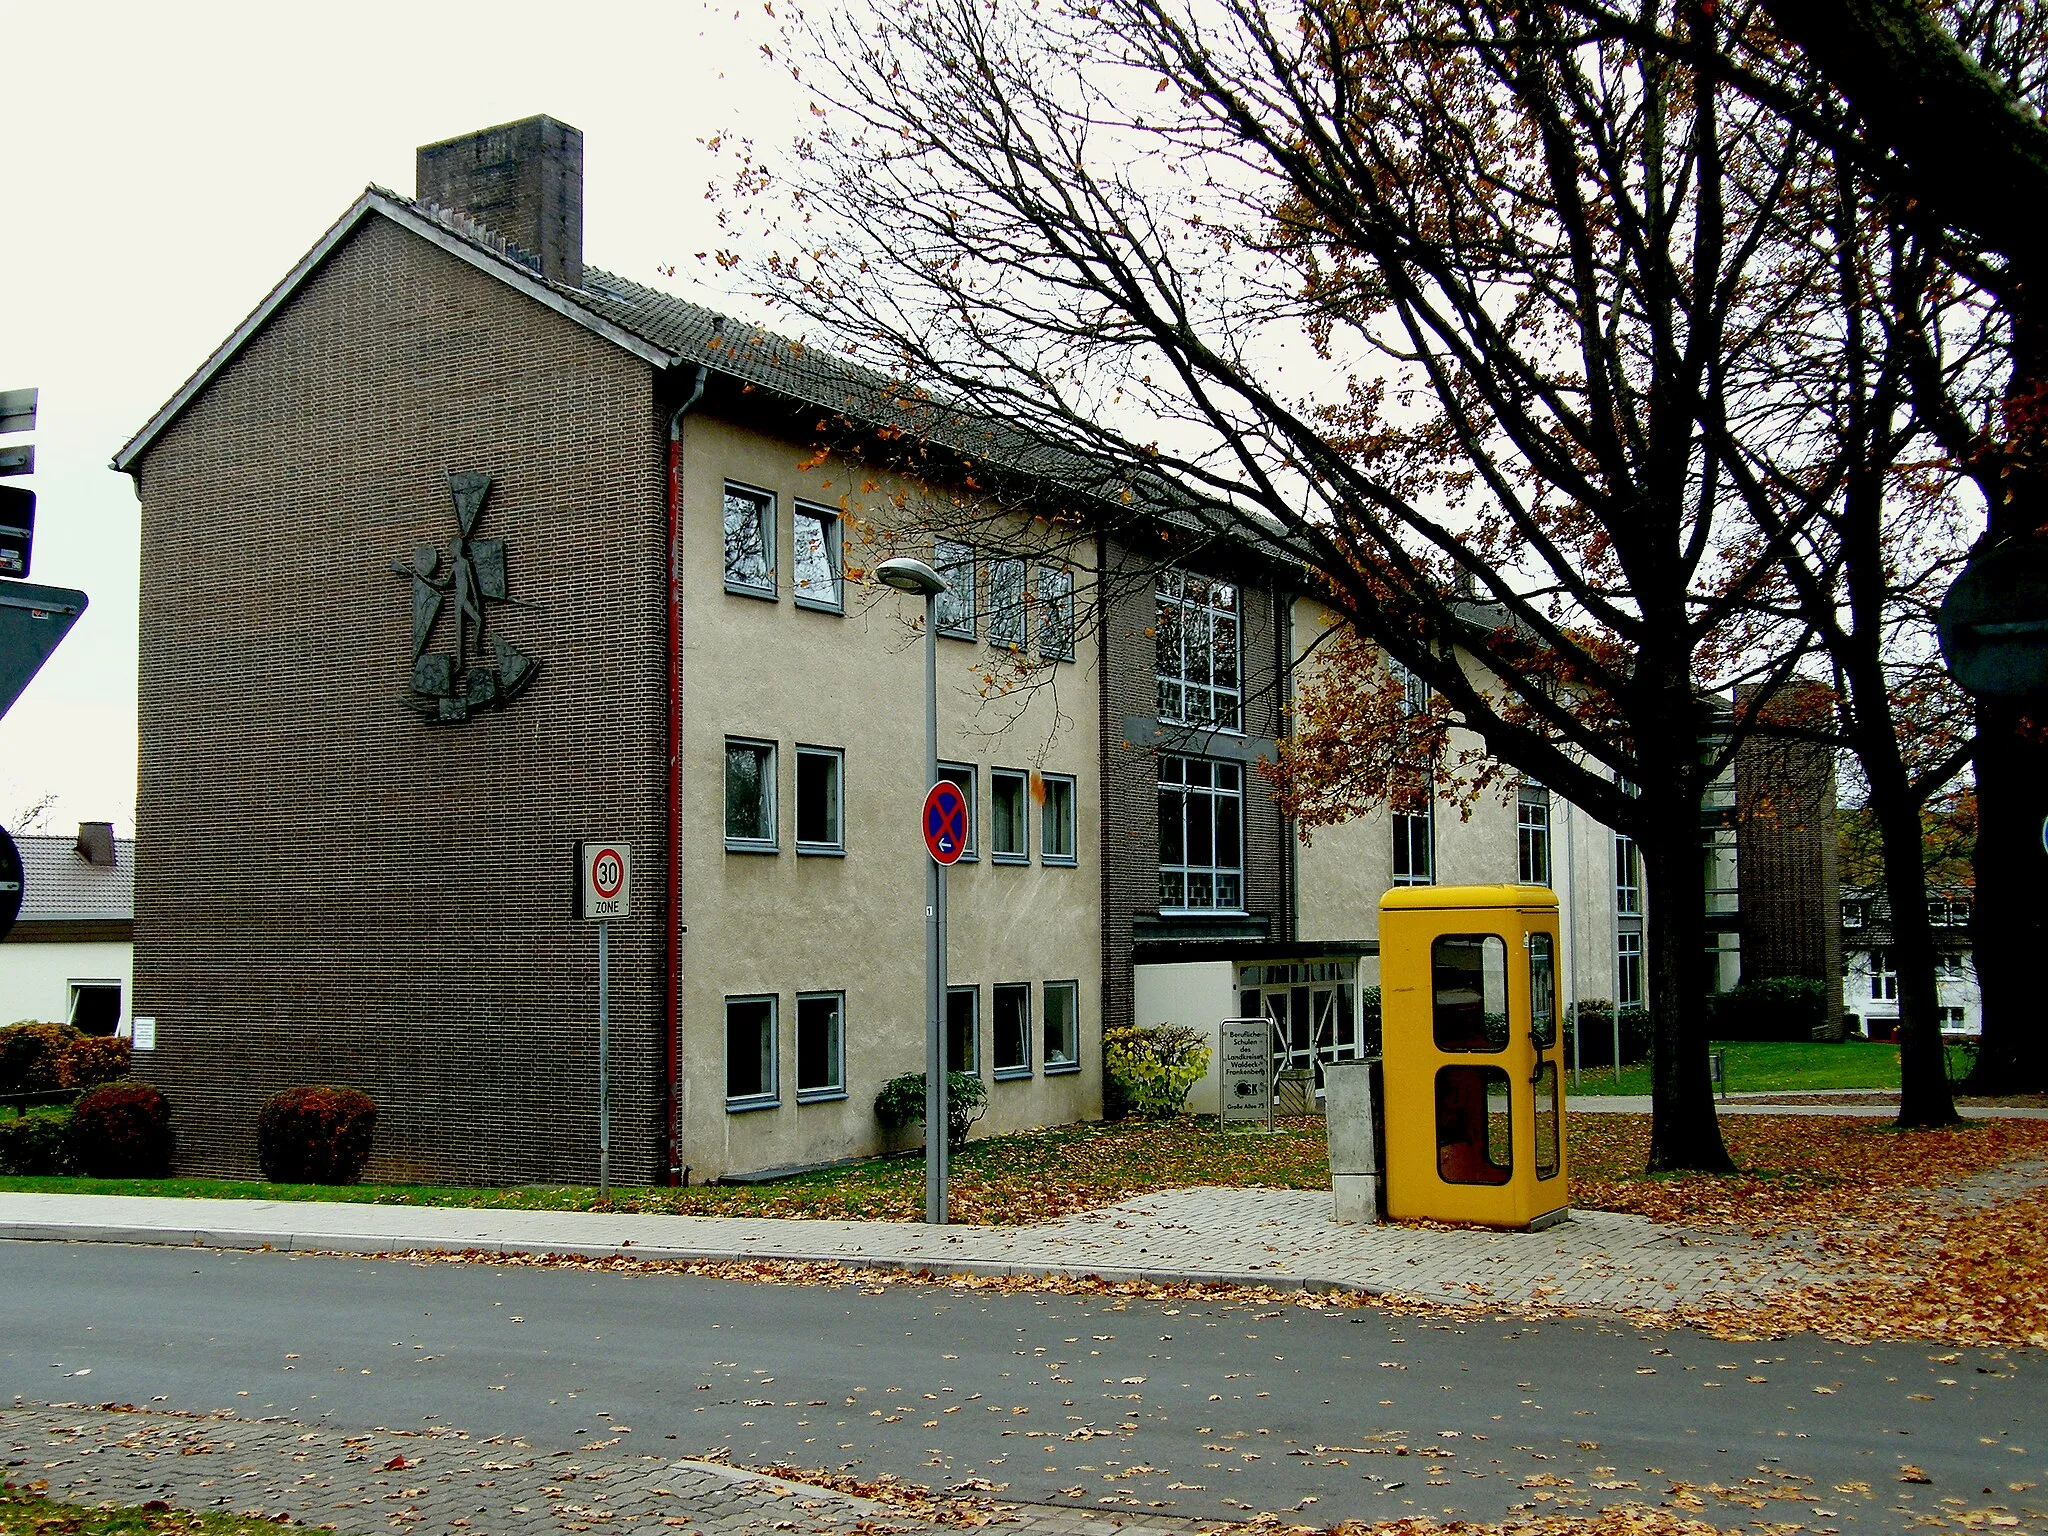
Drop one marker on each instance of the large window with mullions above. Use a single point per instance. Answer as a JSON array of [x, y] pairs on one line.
[[1199, 640], [1201, 835]]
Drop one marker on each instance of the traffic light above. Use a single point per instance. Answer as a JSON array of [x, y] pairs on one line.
[[17, 503]]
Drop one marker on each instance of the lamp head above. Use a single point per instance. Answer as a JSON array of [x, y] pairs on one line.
[[908, 575]]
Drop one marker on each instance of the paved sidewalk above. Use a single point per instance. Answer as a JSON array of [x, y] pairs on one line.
[[1762, 1104], [445, 1482], [1279, 1238]]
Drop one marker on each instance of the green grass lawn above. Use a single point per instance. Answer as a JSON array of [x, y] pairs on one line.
[[27, 1513], [1782, 1066]]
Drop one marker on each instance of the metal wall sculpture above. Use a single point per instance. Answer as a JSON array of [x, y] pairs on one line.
[[483, 671]]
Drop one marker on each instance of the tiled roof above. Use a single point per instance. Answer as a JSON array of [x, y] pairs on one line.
[[59, 886]]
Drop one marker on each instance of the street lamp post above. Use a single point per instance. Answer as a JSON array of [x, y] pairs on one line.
[[907, 575]]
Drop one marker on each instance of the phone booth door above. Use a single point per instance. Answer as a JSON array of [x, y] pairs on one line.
[[1475, 1109]]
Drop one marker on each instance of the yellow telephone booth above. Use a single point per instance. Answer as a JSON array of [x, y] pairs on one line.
[[1474, 1100]]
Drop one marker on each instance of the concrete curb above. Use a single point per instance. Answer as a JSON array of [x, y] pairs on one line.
[[361, 1246]]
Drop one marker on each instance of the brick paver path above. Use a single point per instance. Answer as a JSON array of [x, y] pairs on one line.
[[1280, 1238], [450, 1484]]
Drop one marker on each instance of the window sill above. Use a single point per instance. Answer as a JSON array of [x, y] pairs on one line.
[[734, 845], [819, 605], [1021, 859], [1061, 1068], [764, 594], [1203, 912], [1200, 725], [743, 1106], [819, 851], [1012, 1074], [1057, 863], [966, 635], [1057, 656], [821, 1095]]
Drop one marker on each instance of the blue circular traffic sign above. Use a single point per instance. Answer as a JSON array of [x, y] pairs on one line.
[[945, 822]]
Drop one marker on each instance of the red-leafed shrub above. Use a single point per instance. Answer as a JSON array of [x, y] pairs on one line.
[[28, 1055], [93, 1059], [316, 1135], [122, 1131]]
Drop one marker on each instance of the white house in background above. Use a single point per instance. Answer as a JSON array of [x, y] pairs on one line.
[[1870, 981], [71, 955]]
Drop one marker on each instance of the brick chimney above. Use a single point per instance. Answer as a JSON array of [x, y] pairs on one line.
[[522, 181]]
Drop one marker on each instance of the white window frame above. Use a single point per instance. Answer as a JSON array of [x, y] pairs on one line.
[[1003, 1074], [829, 529], [1884, 977], [965, 776], [1008, 620], [836, 1090], [771, 1096], [766, 518], [812, 848], [1855, 913], [1628, 876], [1056, 613], [1185, 870], [1628, 947], [1071, 823], [75, 983], [1405, 829], [1022, 779], [950, 559], [1414, 691], [972, 1066], [1532, 834], [773, 842], [1071, 1062], [1187, 615]]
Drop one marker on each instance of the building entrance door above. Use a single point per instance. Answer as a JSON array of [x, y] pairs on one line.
[[1314, 1020]]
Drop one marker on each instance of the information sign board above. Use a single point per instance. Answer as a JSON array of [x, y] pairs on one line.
[[1245, 1069]]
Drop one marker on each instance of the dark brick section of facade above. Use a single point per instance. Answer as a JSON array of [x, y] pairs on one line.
[[1132, 739], [1788, 861], [330, 889], [523, 181]]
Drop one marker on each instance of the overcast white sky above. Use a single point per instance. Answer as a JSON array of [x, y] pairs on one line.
[[169, 163]]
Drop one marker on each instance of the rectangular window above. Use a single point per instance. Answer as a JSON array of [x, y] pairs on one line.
[[95, 1007], [1198, 651], [1062, 1026], [749, 796], [1055, 613], [1722, 863], [1628, 876], [1415, 846], [820, 1046], [1628, 970], [1013, 1029], [817, 559], [750, 1053], [1884, 980], [1414, 691], [963, 1029], [963, 775], [1952, 1020], [1532, 830], [1056, 821], [1009, 818], [1006, 603], [955, 562], [820, 800], [1853, 914], [1949, 967], [1201, 835], [749, 541]]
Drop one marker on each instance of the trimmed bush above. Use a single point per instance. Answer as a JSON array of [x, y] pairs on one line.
[[1152, 1067], [317, 1135], [1770, 1008], [93, 1059], [901, 1103], [1596, 1020], [1370, 1042], [122, 1131], [28, 1056], [36, 1144]]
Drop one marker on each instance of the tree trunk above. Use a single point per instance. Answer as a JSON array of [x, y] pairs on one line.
[[2009, 917], [1685, 1133], [1924, 1097]]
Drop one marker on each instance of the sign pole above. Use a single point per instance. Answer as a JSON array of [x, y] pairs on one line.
[[604, 1064], [936, 1117]]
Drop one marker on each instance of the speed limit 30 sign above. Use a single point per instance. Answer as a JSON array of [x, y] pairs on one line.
[[604, 879]]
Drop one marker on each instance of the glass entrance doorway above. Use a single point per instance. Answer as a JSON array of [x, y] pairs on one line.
[[1313, 1007]]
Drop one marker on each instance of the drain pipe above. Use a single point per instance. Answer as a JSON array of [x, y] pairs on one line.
[[675, 771]]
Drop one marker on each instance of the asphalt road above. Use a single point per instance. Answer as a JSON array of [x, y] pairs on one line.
[[1199, 1410]]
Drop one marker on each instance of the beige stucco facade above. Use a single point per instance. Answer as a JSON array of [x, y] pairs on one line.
[[782, 923]]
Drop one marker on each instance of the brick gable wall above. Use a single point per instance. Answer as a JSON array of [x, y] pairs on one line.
[[328, 888]]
